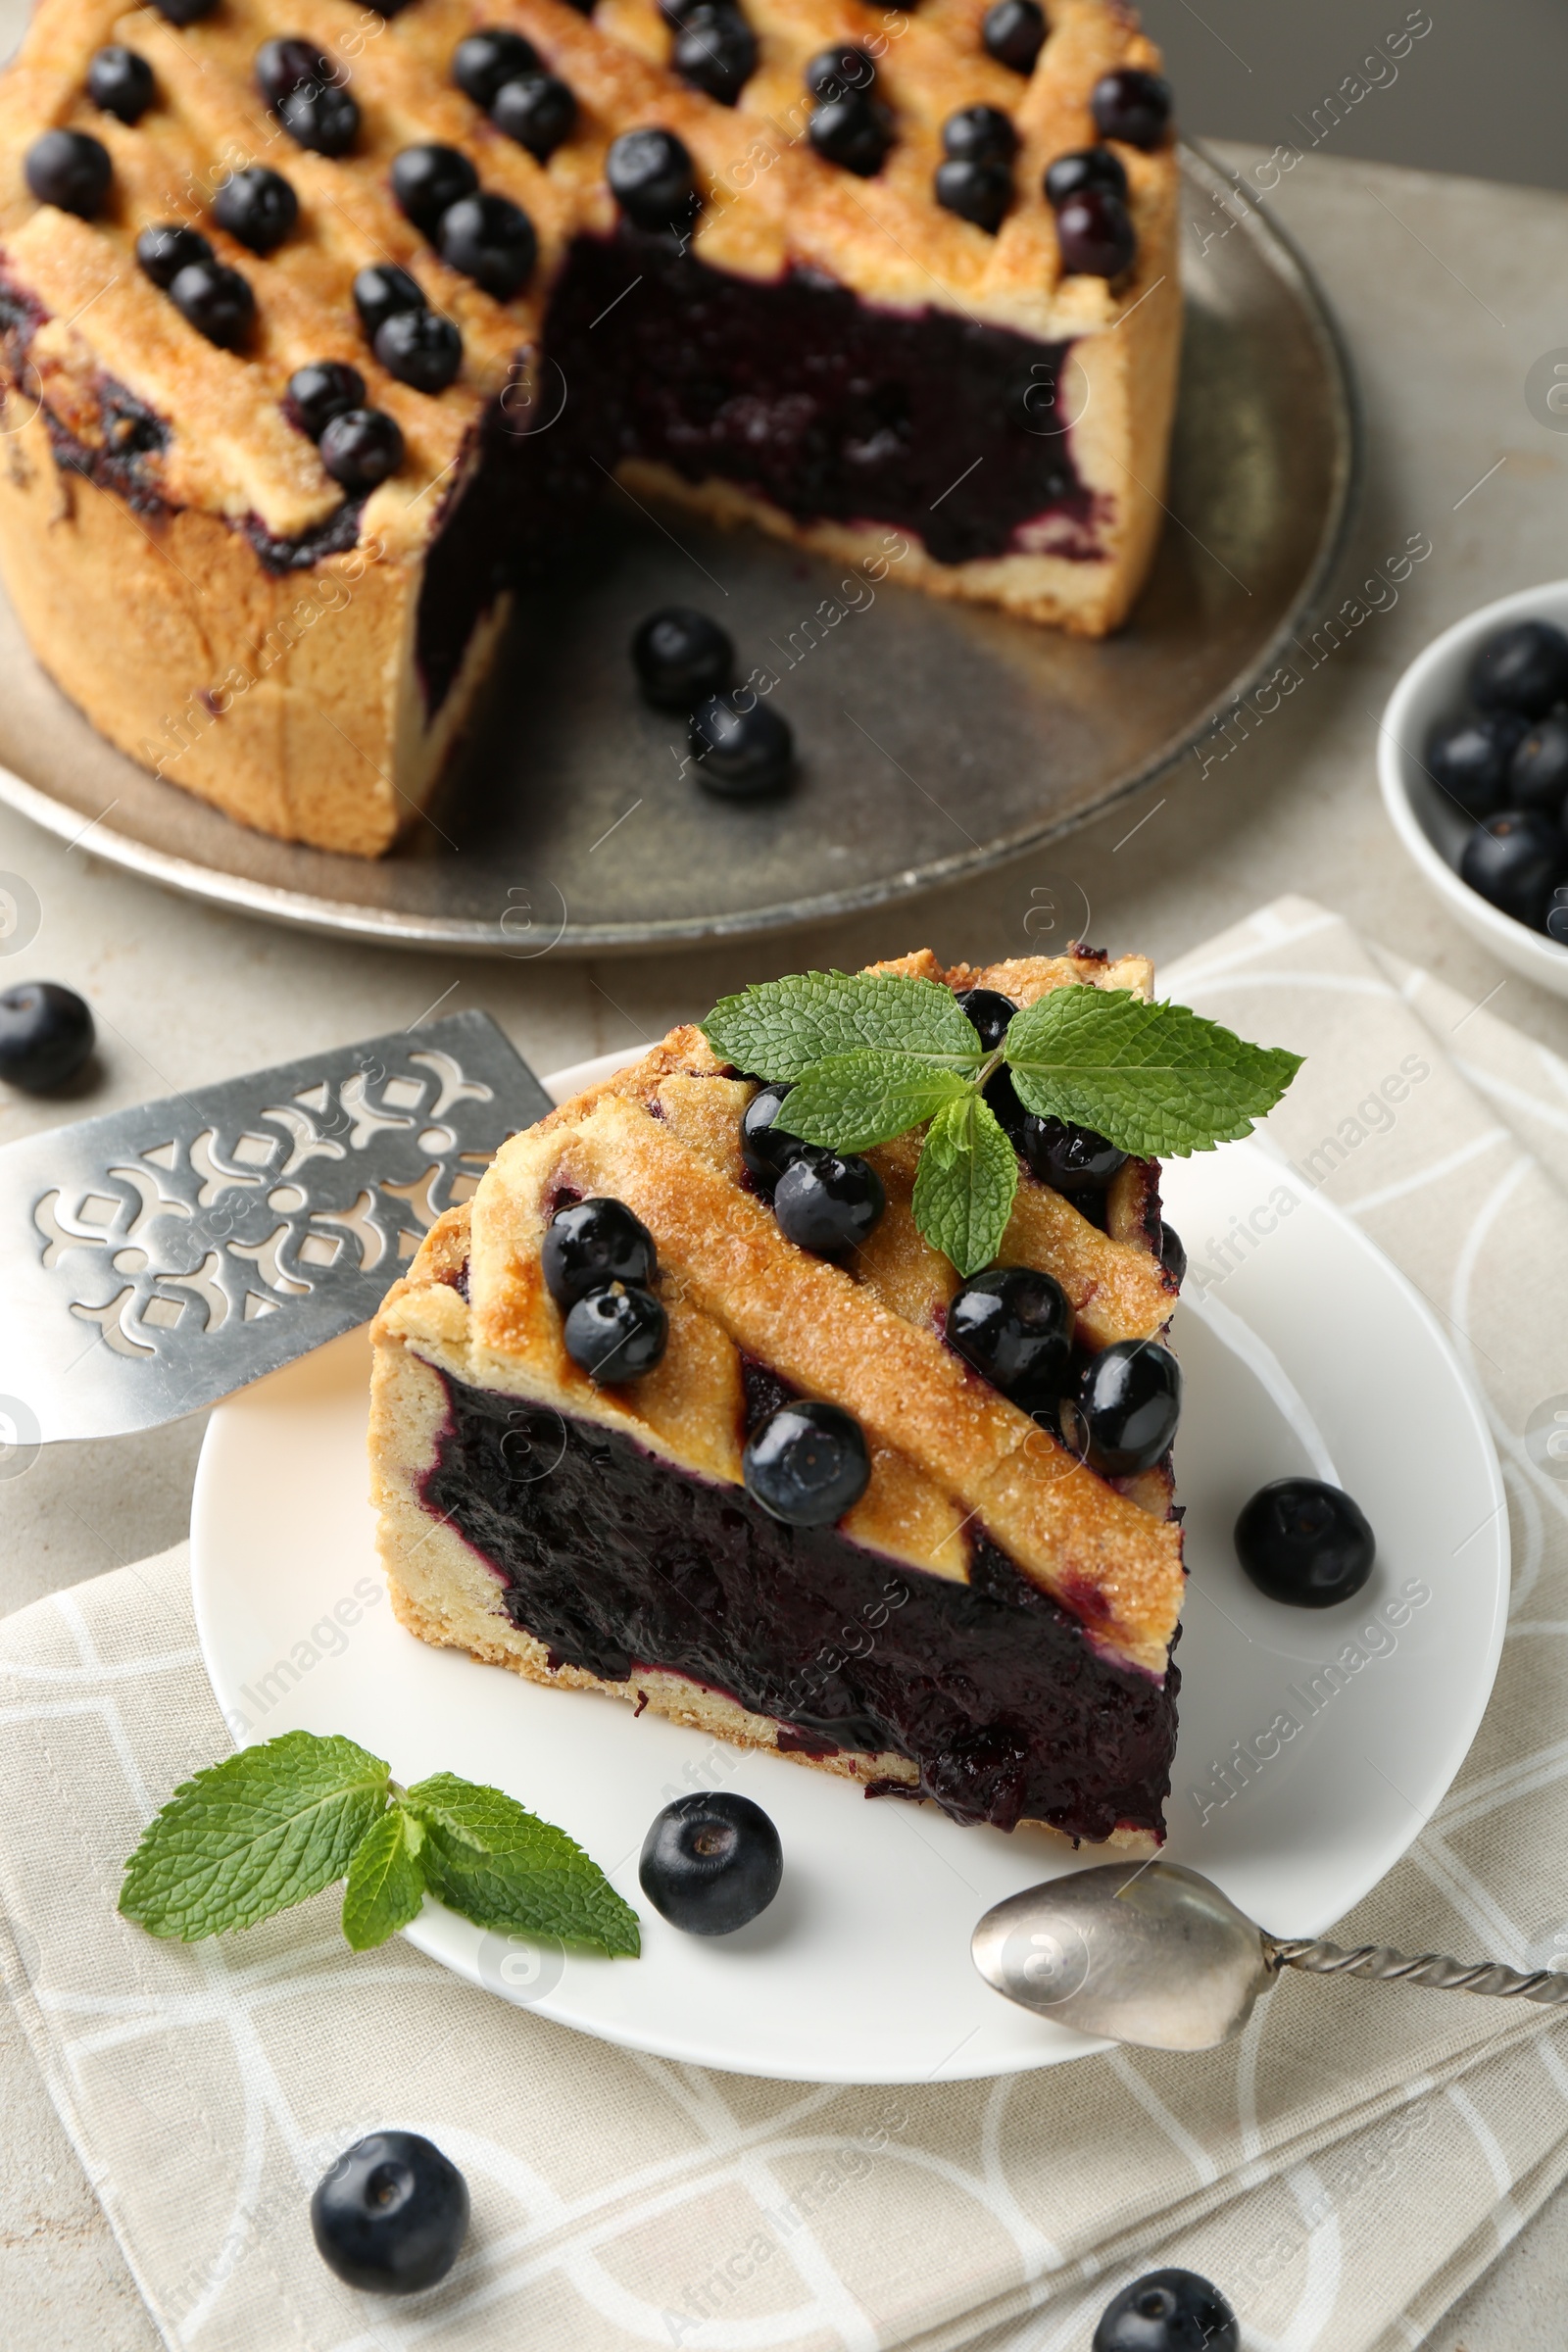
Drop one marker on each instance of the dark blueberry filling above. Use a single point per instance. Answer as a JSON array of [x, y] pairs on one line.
[[131, 433], [615, 1561], [334, 537]]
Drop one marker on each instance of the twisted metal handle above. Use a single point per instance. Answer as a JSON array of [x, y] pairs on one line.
[[1385, 1966]]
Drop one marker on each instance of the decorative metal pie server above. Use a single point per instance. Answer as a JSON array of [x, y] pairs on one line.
[[1152, 1953], [156, 1260]]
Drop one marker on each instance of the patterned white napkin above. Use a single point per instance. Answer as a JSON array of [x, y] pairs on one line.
[[1344, 2171]]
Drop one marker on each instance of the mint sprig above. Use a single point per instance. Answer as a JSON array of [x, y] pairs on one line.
[[870, 1055], [274, 1825]]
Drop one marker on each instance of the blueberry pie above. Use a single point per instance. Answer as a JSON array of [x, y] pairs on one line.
[[805, 1489], [800, 267]]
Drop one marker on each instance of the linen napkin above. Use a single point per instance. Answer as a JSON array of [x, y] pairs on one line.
[[1344, 2171]]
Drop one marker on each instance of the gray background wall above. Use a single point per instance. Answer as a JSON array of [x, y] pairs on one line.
[[1484, 92]]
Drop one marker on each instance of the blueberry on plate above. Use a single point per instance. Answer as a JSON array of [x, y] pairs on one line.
[[491, 240], [651, 177], [1523, 667], [853, 132], [426, 179], [716, 51], [1304, 1542], [488, 59], [1015, 1326], [1085, 168], [827, 1203], [989, 1012], [807, 1463], [420, 348], [681, 658], [1168, 2311], [216, 301], [120, 83], [380, 291], [617, 1333], [974, 191], [1125, 1412], [1515, 861], [258, 207], [1094, 234], [1132, 106], [361, 448], [46, 1034], [538, 111], [1537, 772], [766, 1148], [710, 1862], [71, 170], [1069, 1158], [740, 754], [592, 1243], [169, 247], [391, 2215], [318, 392], [1014, 34], [1468, 759]]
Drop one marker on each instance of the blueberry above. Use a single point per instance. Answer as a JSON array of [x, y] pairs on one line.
[[216, 301], [1132, 106], [617, 1333], [989, 1012], [289, 64], [1124, 1415], [391, 2215], [184, 12], [1524, 668], [167, 248], [1014, 34], [740, 754], [652, 178], [1069, 1158], [258, 207], [488, 59], [1169, 2311], [46, 1034], [975, 192], [1468, 759], [538, 111], [826, 1202], [766, 1148], [853, 132], [1014, 1325], [1304, 1542], [710, 1862], [425, 179], [593, 1243], [70, 168], [834, 72], [716, 51], [1173, 1254], [1095, 235], [1558, 917], [681, 658], [980, 134], [361, 448], [1085, 168], [1537, 772], [1515, 861], [380, 292], [1002, 1096], [322, 117], [807, 1463], [120, 83], [318, 393], [491, 240], [420, 348]]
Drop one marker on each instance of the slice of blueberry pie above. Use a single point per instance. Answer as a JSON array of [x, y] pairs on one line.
[[690, 1410], [317, 332]]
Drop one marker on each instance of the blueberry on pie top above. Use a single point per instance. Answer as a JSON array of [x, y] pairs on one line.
[[830, 298], [809, 1494]]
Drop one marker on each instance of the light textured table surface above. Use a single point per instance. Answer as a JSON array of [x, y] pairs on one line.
[[1448, 290]]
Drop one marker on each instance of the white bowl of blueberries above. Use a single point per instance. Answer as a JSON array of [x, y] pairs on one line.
[[1473, 760]]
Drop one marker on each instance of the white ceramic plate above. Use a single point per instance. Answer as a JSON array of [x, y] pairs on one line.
[[1312, 1353]]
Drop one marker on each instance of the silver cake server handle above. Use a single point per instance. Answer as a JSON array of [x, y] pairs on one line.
[[1153, 1954], [156, 1260]]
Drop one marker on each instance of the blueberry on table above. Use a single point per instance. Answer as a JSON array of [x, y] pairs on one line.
[[807, 1463], [740, 754], [361, 448], [216, 301], [1304, 1542], [538, 111], [1168, 2311], [1133, 106], [592, 1243], [428, 179], [391, 2215], [974, 191], [681, 658], [1014, 34], [1537, 772], [46, 1034], [1085, 168], [488, 59], [1014, 1325], [491, 240], [1125, 1412], [1468, 760], [989, 1011], [1515, 861], [766, 1148], [120, 83], [1069, 1158], [1523, 668], [169, 247], [318, 392], [421, 348], [71, 170], [710, 1862], [258, 207], [617, 1333], [827, 1203], [651, 177], [1094, 235], [715, 52]]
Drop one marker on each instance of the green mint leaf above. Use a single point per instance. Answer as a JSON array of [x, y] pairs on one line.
[[385, 1886], [852, 1100], [1151, 1078], [964, 1184], [778, 1029], [257, 1833], [488, 1857]]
